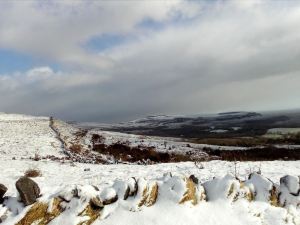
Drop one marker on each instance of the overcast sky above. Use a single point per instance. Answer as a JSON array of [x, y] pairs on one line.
[[110, 61]]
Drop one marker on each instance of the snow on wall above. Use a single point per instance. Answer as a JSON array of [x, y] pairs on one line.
[[135, 200]]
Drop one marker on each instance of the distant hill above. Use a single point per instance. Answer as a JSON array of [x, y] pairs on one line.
[[222, 125]]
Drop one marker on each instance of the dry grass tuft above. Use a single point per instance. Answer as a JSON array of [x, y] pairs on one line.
[[274, 200], [33, 173], [92, 213], [76, 148], [149, 196], [190, 194], [247, 192], [42, 213]]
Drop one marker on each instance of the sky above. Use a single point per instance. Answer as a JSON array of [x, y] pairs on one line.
[[112, 61]]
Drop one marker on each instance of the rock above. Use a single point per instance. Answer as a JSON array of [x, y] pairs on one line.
[[122, 189], [96, 203], [291, 183], [3, 217], [226, 187], [108, 196], [29, 190], [133, 187], [194, 179], [3, 190], [75, 193], [289, 191], [126, 193], [262, 189], [82, 192], [95, 187], [67, 194], [173, 189]]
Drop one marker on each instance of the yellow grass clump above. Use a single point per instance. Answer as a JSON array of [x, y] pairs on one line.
[[42, 213], [191, 192], [149, 196], [91, 212]]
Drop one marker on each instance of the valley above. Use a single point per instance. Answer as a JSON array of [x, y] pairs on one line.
[[83, 174]]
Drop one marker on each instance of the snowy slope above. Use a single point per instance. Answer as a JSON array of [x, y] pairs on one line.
[[25, 136], [221, 199], [161, 144]]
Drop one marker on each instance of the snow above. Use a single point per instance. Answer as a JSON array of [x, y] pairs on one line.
[[220, 188], [290, 190], [206, 213], [278, 133], [108, 193], [160, 144], [292, 183], [226, 197], [27, 136], [54, 181], [19, 117], [283, 131], [219, 131], [120, 187], [261, 186]]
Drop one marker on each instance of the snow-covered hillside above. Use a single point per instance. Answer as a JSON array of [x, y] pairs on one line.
[[75, 192], [24, 136]]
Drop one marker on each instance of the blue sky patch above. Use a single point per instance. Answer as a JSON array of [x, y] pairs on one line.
[[104, 42], [12, 61], [149, 23]]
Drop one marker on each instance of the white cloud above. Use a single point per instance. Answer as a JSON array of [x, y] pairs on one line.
[[227, 55], [57, 29], [39, 73]]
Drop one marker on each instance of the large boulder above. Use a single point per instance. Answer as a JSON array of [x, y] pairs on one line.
[[122, 189], [28, 189], [263, 189], [291, 183], [108, 196], [227, 187], [172, 189], [289, 191], [3, 190]]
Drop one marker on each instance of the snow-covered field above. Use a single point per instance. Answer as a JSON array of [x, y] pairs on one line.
[[160, 144], [283, 131], [277, 133], [22, 137], [25, 136]]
